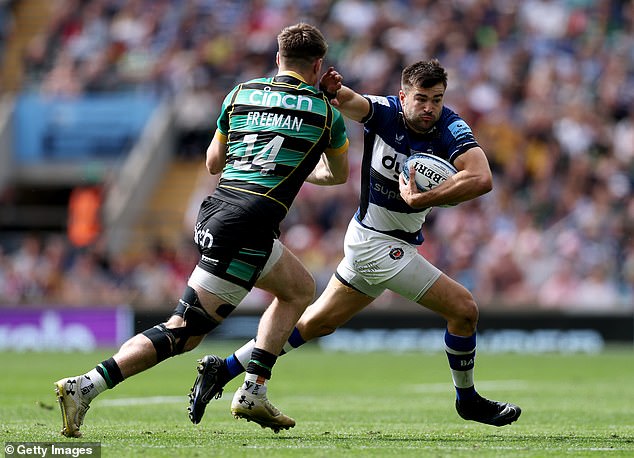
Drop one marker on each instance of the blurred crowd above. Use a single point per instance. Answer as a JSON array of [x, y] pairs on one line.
[[546, 85]]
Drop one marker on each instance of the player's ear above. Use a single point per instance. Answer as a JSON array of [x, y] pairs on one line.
[[277, 58], [317, 66]]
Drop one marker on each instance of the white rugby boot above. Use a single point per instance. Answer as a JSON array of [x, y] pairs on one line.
[[258, 409], [72, 404]]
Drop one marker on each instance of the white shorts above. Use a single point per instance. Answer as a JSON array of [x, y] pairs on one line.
[[226, 290], [374, 262]]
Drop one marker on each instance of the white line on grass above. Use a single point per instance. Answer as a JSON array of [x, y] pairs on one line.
[[142, 401], [499, 385]]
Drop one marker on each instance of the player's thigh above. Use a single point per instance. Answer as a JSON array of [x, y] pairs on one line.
[[449, 298], [422, 282], [414, 279], [286, 277]]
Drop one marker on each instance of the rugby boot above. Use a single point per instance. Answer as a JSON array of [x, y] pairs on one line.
[[258, 409], [207, 386], [72, 404], [486, 411]]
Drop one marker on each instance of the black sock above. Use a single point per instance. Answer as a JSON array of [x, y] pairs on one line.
[[110, 371], [261, 363]]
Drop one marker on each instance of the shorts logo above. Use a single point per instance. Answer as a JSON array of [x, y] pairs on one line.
[[371, 266], [396, 253], [203, 239]]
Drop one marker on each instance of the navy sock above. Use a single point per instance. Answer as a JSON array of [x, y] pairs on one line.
[[295, 340], [234, 368], [461, 355]]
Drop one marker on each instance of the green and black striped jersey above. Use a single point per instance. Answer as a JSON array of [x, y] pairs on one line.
[[276, 130]]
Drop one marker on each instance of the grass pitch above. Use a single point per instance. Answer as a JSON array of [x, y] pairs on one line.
[[345, 405]]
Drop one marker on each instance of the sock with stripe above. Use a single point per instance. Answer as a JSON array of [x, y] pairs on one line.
[[106, 375], [238, 361], [258, 371], [261, 363], [461, 353]]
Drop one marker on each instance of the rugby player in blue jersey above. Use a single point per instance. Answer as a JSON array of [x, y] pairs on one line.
[[380, 244], [272, 135]]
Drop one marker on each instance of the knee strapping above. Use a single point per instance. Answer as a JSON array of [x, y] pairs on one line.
[[165, 340], [197, 321], [170, 342]]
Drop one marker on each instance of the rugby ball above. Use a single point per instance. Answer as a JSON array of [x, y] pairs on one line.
[[430, 170]]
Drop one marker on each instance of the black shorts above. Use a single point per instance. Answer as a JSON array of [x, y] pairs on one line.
[[234, 244]]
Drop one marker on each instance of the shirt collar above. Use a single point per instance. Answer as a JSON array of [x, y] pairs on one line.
[[293, 74]]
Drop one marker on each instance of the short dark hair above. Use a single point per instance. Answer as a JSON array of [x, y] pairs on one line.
[[425, 73], [301, 43]]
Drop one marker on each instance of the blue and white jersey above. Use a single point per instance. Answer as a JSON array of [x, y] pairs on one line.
[[387, 144]]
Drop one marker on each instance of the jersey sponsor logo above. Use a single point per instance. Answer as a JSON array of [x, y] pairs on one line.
[[387, 161], [267, 98], [387, 192], [381, 100], [396, 253], [459, 129], [269, 119]]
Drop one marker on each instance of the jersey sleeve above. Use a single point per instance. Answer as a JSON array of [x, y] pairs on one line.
[[459, 136], [222, 124], [338, 135], [383, 110]]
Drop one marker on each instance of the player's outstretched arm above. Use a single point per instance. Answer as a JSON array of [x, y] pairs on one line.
[[350, 103]]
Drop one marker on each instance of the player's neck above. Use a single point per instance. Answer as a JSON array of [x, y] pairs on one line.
[[303, 76]]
